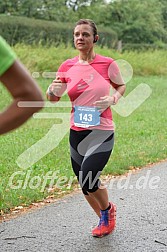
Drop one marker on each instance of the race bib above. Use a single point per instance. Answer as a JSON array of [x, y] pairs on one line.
[[86, 116]]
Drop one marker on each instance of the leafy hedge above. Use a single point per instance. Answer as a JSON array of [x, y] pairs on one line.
[[17, 29], [143, 46]]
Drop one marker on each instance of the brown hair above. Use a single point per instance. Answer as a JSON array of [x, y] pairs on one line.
[[89, 22]]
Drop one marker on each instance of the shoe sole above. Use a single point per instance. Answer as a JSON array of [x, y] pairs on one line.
[[97, 236]]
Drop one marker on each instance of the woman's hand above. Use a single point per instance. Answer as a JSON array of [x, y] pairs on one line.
[[105, 102], [55, 87]]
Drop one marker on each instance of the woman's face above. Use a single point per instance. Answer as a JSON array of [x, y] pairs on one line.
[[83, 37]]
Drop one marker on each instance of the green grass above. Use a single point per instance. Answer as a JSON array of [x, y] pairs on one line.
[[139, 139], [144, 63]]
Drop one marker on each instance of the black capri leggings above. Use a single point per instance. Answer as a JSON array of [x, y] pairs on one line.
[[90, 151]]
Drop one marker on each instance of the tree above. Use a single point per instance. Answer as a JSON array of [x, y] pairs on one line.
[[41, 9], [91, 9], [164, 12], [136, 21], [8, 7], [76, 4]]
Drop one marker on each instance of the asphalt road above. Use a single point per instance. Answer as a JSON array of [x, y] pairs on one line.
[[65, 225]]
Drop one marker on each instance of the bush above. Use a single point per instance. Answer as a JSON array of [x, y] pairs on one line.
[[143, 47], [17, 29]]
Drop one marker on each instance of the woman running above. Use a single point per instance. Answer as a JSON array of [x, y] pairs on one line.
[[88, 79]]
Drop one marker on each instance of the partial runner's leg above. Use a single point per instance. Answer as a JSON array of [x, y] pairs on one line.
[[93, 203], [101, 197]]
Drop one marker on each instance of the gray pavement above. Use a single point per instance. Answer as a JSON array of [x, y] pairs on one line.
[[65, 225]]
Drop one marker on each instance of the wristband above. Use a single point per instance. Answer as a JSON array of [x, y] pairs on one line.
[[50, 93]]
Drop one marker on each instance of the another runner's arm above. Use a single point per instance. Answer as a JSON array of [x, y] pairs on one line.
[[22, 88]]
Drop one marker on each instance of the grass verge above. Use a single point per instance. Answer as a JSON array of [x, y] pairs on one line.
[[140, 139]]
